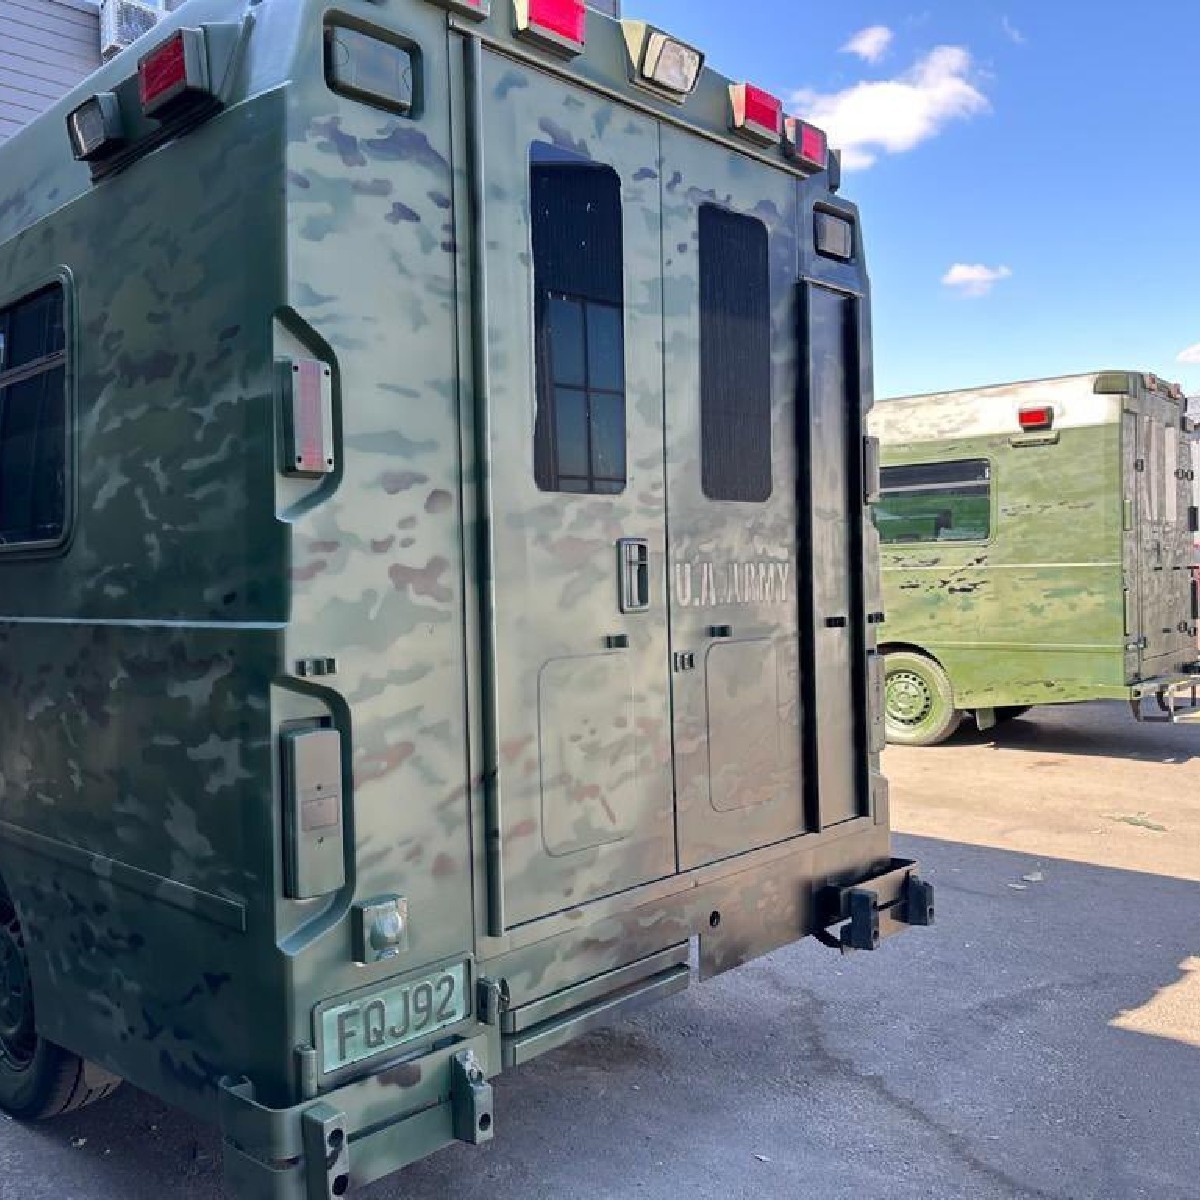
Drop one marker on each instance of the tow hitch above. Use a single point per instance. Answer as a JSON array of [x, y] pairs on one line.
[[873, 908], [1178, 702]]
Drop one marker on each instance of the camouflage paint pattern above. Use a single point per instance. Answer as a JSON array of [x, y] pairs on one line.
[[148, 670], [1053, 605]]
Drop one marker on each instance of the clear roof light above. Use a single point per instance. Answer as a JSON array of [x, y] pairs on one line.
[[671, 64]]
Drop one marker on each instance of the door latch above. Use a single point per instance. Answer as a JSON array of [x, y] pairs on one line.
[[633, 574]]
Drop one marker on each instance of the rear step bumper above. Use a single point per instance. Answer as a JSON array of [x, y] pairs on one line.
[[406, 1108], [1177, 698], [534, 1028], [874, 908]]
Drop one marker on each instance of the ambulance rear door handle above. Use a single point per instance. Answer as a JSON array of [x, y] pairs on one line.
[[633, 574]]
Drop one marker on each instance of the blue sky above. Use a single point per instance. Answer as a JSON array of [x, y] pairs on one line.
[[1029, 172]]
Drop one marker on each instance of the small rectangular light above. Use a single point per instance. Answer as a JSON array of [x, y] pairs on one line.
[[307, 387], [369, 69], [1041, 417], [805, 143], [834, 236], [755, 114], [556, 25], [671, 65], [174, 75], [95, 128]]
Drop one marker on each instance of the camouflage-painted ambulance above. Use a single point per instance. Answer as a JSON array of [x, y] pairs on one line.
[[1036, 542], [437, 594]]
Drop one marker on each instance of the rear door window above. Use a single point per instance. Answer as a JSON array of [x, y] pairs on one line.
[[579, 325], [735, 356]]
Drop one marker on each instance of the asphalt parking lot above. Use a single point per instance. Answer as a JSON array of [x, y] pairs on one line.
[[1043, 1040]]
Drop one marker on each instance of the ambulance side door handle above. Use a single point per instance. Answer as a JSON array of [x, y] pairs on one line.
[[633, 574]]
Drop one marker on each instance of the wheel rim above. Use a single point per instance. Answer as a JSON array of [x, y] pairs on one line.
[[910, 699], [18, 1034]]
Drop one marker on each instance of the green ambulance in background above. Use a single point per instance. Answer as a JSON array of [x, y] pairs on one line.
[[1037, 541]]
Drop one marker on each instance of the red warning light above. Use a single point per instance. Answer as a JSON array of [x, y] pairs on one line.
[[174, 73], [755, 113], [162, 70], [559, 25], [806, 143], [1036, 418]]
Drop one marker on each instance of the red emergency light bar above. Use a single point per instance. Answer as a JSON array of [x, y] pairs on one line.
[[1036, 418], [755, 114], [174, 74], [557, 25], [805, 143]]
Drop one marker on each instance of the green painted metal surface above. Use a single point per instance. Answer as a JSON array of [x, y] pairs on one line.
[[536, 788]]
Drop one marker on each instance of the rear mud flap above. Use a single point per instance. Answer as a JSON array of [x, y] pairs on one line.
[[873, 908]]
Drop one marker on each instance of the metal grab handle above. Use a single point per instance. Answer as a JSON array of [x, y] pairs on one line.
[[633, 574]]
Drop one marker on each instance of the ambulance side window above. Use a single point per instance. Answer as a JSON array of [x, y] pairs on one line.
[[579, 324], [735, 357], [936, 502], [33, 421]]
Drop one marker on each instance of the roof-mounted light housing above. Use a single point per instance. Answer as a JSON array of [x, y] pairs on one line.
[[755, 114], [805, 144], [174, 75], [1040, 417], [95, 128], [660, 62], [556, 25]]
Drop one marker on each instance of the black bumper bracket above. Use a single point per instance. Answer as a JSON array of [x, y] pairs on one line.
[[870, 909]]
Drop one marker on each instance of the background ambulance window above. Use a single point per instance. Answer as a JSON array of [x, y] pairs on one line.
[[735, 356], [936, 502], [579, 324], [33, 416]]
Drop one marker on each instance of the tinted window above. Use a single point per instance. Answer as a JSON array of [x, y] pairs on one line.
[[735, 356], [936, 502], [579, 325], [33, 413]]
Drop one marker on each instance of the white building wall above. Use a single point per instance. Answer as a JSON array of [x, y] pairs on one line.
[[46, 47]]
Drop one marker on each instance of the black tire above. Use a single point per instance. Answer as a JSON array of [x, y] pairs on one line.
[[1010, 712], [919, 700], [37, 1078]]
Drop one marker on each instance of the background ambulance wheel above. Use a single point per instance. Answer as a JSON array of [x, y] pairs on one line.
[[37, 1078], [919, 700]]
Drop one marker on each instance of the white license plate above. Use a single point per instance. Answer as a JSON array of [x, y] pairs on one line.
[[392, 1017]]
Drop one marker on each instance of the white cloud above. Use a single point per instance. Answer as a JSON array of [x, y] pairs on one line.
[[1191, 355], [869, 44], [974, 279], [894, 115], [1014, 34]]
